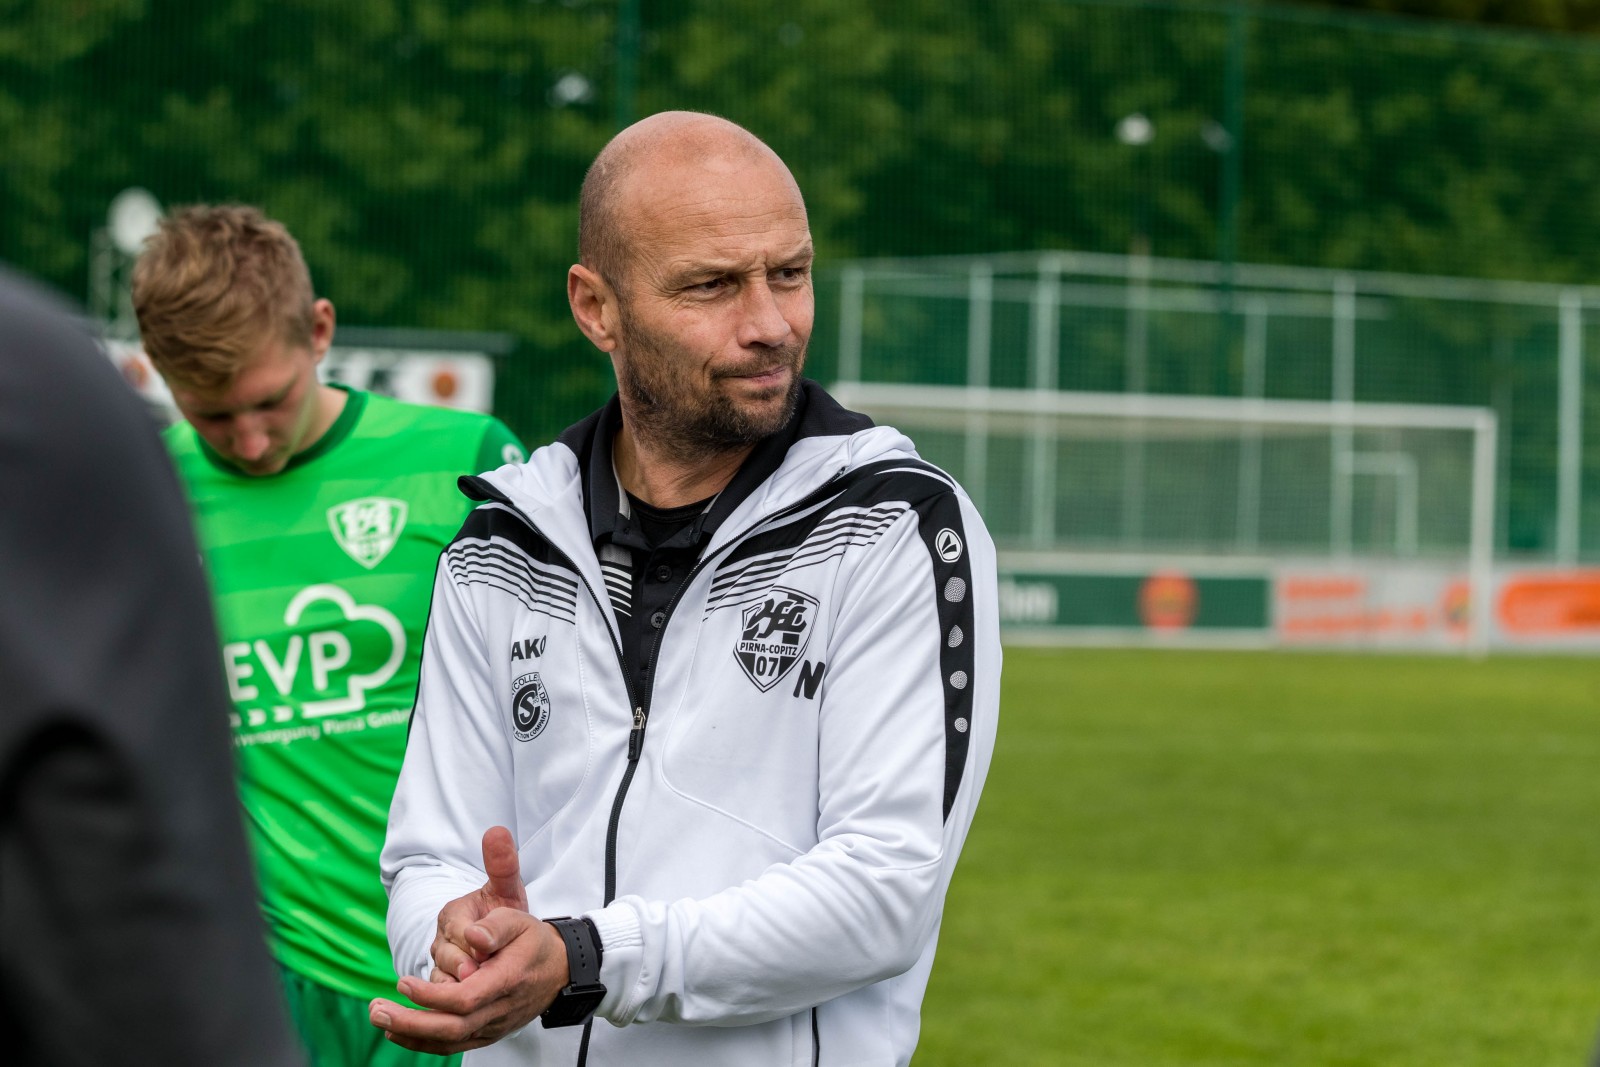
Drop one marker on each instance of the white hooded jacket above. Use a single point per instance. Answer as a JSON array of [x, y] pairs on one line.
[[764, 839]]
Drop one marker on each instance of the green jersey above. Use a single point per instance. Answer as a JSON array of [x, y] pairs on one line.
[[322, 576]]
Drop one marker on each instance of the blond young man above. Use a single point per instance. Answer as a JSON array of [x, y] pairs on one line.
[[322, 511]]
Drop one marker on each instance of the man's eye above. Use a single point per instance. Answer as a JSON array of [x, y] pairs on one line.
[[272, 405], [710, 285]]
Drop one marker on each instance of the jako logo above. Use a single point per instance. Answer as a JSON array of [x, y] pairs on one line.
[[948, 544], [529, 648]]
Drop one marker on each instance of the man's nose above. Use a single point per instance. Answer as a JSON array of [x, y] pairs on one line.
[[764, 320], [250, 441]]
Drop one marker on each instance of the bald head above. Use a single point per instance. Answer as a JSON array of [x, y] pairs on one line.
[[667, 147]]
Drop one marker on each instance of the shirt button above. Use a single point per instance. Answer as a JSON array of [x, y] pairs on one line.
[[657, 619], [663, 573]]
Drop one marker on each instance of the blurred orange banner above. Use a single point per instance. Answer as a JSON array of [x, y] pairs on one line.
[[1551, 604]]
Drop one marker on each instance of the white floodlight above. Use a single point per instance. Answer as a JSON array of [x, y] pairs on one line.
[[1136, 129], [571, 88], [1216, 135], [133, 216]]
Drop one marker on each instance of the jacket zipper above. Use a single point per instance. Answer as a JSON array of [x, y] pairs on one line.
[[641, 712], [641, 709], [636, 734]]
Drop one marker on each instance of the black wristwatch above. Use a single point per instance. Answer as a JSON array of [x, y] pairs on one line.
[[583, 992]]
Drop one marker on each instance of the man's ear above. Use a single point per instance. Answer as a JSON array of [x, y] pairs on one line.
[[322, 323], [594, 306]]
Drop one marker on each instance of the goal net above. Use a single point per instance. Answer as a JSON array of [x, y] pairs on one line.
[[1087, 475]]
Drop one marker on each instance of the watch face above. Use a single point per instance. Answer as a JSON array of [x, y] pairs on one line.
[[573, 1005]]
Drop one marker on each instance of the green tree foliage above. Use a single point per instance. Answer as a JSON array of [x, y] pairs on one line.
[[41, 45], [1567, 15], [428, 152]]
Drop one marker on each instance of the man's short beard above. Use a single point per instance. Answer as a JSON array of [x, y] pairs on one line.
[[688, 426]]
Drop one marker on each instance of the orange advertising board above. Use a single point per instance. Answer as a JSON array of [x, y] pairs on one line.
[[1550, 604], [1168, 600], [1376, 606]]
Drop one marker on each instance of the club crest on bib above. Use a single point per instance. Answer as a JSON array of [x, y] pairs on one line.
[[530, 707], [774, 635], [368, 528]]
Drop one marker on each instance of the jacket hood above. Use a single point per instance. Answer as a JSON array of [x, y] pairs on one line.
[[827, 440]]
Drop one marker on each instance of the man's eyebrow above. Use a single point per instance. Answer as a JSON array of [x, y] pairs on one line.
[[277, 397], [713, 268], [212, 413]]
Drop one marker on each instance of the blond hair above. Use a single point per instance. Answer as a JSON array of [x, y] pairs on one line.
[[213, 284]]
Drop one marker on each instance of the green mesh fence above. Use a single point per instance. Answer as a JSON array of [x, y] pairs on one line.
[[1103, 323], [428, 152]]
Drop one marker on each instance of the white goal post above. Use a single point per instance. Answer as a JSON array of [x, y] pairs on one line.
[[1213, 477]]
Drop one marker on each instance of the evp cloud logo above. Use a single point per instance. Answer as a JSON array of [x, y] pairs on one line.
[[326, 653]]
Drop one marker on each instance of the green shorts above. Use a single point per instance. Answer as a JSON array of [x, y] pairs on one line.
[[336, 1032]]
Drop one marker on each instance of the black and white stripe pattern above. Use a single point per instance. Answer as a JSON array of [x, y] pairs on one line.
[[748, 579], [497, 550], [616, 565], [857, 510]]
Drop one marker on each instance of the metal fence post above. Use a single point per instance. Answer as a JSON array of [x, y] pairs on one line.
[[1248, 524], [1569, 429], [980, 315], [1232, 177], [1044, 320], [1135, 379], [1484, 448], [1340, 495], [628, 34], [852, 297]]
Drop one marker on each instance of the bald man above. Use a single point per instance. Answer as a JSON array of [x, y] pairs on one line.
[[711, 684]]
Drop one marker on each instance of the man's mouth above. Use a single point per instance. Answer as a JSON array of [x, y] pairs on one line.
[[774, 375]]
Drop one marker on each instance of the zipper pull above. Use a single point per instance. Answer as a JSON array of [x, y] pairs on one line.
[[636, 735]]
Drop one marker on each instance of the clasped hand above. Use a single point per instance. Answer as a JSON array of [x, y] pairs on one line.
[[495, 966]]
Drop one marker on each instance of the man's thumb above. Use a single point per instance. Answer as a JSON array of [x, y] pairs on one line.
[[496, 930], [500, 863]]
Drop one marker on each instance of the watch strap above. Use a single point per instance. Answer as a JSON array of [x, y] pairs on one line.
[[583, 949], [577, 1001]]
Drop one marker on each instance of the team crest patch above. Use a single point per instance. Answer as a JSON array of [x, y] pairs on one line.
[[530, 707], [774, 636], [368, 528]]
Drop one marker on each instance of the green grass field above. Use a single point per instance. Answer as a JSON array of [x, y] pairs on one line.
[[1279, 859]]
